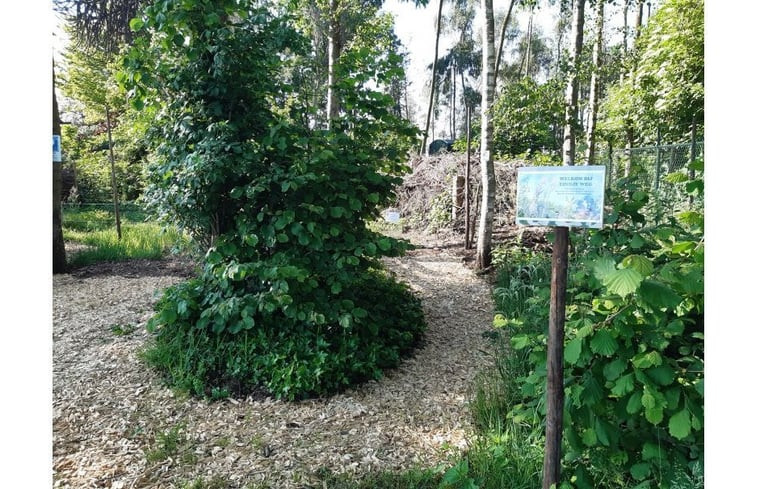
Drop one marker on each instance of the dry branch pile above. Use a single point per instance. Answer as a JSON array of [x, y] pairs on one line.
[[425, 197]]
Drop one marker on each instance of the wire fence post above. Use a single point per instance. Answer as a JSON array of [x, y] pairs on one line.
[[657, 161], [692, 156]]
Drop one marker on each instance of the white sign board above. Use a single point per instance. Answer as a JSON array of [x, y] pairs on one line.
[[57, 156], [392, 216], [570, 196]]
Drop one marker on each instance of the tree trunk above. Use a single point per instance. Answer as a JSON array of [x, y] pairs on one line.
[[639, 19], [484, 245], [335, 51], [571, 89], [594, 90], [433, 78], [555, 340], [626, 6], [502, 40], [113, 173], [59, 248], [527, 57]]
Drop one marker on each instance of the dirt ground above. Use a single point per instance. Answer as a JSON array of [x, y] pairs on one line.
[[112, 414]]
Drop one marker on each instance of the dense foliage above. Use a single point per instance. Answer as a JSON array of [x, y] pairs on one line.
[[665, 87], [527, 117], [88, 83], [634, 354], [287, 296]]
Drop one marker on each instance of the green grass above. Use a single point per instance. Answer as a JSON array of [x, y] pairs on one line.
[[95, 228]]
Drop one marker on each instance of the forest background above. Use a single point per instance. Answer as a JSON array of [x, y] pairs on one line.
[[26, 344]]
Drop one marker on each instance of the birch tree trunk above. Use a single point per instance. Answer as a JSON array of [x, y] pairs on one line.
[[486, 223], [595, 80], [59, 248], [335, 51], [639, 19], [555, 339], [433, 78]]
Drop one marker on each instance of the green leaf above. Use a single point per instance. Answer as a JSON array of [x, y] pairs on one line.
[[647, 359], [640, 471], [136, 24], [623, 385], [679, 424], [654, 414], [658, 295], [613, 369], [651, 451], [634, 403], [641, 264], [589, 437], [637, 241], [603, 343], [520, 341], [603, 267], [573, 351], [663, 375], [682, 247], [647, 399], [623, 282]]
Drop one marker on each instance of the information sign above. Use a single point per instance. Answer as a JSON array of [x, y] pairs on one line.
[[569, 196]]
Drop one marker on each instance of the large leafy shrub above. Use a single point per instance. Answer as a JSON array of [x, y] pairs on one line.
[[290, 297], [634, 352]]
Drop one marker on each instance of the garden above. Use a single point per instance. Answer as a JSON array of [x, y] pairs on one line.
[[236, 309]]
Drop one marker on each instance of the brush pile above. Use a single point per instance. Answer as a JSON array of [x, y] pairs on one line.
[[425, 198]]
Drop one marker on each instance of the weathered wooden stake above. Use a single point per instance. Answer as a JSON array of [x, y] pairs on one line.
[[458, 192], [113, 174], [468, 233], [555, 348]]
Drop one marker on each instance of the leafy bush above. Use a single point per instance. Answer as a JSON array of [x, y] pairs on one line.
[[215, 344], [290, 297], [634, 361]]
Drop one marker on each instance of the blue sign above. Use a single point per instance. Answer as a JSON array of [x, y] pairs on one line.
[[570, 196], [57, 155]]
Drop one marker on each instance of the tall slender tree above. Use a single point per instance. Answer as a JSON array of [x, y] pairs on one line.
[[595, 84], [433, 78], [502, 32], [486, 223]]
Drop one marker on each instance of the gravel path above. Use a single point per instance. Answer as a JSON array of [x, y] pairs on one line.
[[111, 415]]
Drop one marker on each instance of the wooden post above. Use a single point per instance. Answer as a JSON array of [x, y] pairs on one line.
[[113, 174], [457, 195], [468, 233], [555, 348]]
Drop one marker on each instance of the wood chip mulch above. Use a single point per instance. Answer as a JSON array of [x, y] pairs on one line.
[[112, 414]]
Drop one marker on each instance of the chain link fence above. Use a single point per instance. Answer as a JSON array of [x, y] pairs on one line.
[[650, 165]]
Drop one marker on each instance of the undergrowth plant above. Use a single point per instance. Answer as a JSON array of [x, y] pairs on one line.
[[634, 351]]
